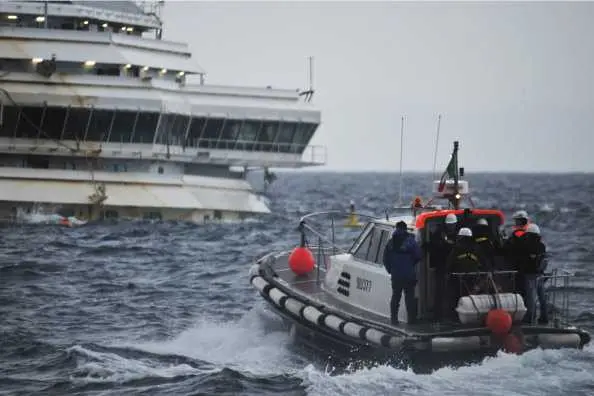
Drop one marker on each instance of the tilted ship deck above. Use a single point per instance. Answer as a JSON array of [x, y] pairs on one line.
[[99, 120]]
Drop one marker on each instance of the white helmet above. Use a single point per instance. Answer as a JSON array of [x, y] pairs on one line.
[[464, 231], [533, 229], [451, 219], [520, 214], [482, 222]]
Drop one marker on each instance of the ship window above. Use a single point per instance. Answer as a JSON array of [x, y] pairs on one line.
[[302, 137], [110, 214], [53, 122], [196, 128], [165, 128], [267, 135], [99, 125], [145, 128], [108, 71], [76, 123], [211, 133], [38, 162], [248, 135], [217, 215], [29, 122], [285, 136], [178, 129], [153, 216], [230, 134], [361, 252], [122, 126], [9, 119], [160, 170]]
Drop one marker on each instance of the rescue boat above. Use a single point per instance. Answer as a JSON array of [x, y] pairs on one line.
[[337, 299]]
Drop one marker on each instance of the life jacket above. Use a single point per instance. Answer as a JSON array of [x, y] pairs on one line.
[[519, 230]]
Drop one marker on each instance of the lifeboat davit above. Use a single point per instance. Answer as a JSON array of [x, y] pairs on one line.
[[339, 299]]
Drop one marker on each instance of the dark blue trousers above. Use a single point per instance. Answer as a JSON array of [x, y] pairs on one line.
[[408, 287]]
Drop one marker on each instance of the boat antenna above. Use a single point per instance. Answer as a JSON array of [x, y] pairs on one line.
[[436, 145], [456, 177], [401, 149]]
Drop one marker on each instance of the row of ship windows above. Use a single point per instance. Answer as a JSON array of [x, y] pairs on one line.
[[66, 23], [122, 126], [91, 67]]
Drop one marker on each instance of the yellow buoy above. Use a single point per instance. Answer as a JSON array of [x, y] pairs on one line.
[[352, 219]]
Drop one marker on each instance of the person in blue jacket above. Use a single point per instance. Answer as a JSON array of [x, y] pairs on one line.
[[400, 258]]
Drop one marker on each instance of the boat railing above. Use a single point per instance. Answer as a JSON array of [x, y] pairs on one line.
[[318, 241], [557, 294], [556, 284]]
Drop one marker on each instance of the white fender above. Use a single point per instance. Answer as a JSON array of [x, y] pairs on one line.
[[293, 306], [253, 270], [559, 340], [374, 336], [395, 342], [448, 344], [275, 294], [259, 283], [352, 329], [311, 314], [333, 322]]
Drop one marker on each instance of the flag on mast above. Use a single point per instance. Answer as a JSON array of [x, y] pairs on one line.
[[451, 171]]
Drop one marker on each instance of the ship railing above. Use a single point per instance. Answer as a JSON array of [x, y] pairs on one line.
[[556, 285], [309, 154], [324, 234]]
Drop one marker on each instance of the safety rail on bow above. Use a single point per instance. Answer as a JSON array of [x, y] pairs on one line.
[[326, 245]]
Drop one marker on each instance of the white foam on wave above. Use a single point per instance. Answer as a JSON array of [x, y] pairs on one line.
[[93, 366], [536, 372], [256, 343]]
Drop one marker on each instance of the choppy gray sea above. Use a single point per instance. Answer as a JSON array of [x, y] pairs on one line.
[[150, 308]]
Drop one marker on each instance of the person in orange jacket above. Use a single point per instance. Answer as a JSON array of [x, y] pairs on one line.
[[520, 223]]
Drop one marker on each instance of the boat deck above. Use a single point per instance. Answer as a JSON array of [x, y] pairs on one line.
[[310, 286]]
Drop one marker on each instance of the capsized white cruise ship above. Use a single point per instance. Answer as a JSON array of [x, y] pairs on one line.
[[98, 119]]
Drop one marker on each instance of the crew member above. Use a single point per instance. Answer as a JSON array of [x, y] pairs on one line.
[[400, 258], [532, 256], [520, 223], [441, 243], [511, 251], [486, 243], [463, 260]]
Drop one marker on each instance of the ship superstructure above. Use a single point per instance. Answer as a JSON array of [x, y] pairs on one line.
[[98, 119]]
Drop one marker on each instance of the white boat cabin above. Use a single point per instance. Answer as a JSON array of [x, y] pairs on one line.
[[359, 278]]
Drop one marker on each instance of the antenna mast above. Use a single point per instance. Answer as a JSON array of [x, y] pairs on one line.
[[401, 149], [436, 145], [309, 93]]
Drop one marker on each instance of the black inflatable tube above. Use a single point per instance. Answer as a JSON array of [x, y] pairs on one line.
[[585, 337]]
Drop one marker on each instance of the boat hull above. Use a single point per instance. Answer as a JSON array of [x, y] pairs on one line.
[[347, 337]]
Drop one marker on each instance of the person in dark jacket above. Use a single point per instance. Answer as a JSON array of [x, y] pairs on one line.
[[440, 245], [464, 259], [512, 250], [400, 258], [532, 256], [487, 244]]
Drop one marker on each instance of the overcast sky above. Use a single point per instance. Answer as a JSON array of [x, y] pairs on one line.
[[513, 81]]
